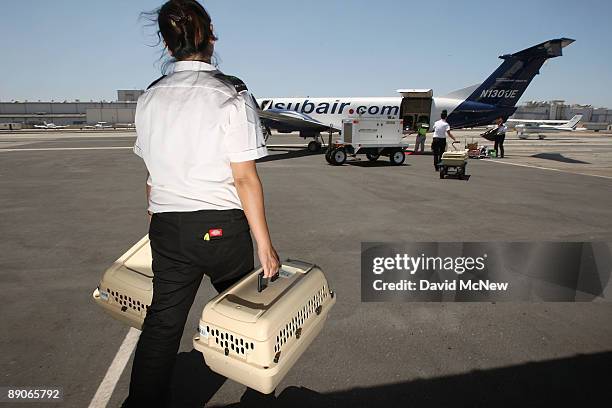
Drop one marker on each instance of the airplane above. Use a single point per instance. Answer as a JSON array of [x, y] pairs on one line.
[[513, 122], [477, 105], [46, 125], [526, 127], [99, 125]]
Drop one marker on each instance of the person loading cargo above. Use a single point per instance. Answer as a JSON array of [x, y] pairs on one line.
[[198, 133], [438, 145], [500, 136], [419, 145]]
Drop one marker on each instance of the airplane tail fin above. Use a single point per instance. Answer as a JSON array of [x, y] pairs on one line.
[[573, 122], [508, 83]]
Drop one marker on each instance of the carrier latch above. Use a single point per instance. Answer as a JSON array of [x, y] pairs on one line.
[[318, 309], [298, 332], [277, 357]]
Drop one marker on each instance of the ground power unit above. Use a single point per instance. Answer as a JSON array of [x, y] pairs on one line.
[[369, 136], [126, 288], [254, 334]]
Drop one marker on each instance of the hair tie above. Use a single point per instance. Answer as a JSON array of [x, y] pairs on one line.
[[179, 20], [183, 20]]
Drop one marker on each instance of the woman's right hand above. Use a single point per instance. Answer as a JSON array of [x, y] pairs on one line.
[[268, 258]]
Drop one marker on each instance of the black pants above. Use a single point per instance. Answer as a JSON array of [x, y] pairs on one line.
[[499, 145], [438, 146], [181, 256]]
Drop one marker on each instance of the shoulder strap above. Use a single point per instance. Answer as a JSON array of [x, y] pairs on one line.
[[156, 81], [233, 81]]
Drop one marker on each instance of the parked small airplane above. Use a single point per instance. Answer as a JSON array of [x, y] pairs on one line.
[[526, 127], [99, 125], [46, 125], [478, 105]]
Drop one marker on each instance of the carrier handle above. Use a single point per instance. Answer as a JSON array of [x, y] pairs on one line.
[[262, 282]]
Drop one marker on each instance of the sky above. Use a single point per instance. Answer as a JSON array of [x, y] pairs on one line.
[[87, 49]]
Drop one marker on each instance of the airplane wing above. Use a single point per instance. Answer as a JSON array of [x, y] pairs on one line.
[[286, 118], [537, 121]]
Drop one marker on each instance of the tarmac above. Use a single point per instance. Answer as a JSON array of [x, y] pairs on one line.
[[71, 203]]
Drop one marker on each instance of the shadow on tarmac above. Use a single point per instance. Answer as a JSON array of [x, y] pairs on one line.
[[289, 154], [566, 381], [558, 157], [378, 163], [193, 383], [466, 177]]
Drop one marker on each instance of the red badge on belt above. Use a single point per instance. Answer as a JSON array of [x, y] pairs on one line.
[[215, 232]]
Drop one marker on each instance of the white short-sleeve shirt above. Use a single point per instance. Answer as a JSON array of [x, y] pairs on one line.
[[190, 126], [440, 128]]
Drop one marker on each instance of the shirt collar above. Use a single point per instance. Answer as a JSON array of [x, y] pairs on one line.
[[193, 66]]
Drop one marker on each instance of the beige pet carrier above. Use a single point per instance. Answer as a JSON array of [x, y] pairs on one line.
[[454, 158], [254, 336], [126, 288]]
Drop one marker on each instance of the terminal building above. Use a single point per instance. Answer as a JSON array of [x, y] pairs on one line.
[[72, 113]]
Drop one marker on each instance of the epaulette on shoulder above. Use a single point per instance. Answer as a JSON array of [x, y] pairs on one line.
[[233, 81], [156, 81]]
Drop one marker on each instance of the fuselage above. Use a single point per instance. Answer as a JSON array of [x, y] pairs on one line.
[[332, 111]]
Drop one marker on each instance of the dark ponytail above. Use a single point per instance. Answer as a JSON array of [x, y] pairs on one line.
[[185, 27]]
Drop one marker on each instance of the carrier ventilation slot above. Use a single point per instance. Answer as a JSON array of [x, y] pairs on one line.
[[300, 317], [127, 301], [235, 344]]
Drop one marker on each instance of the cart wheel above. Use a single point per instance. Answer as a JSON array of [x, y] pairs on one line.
[[338, 156], [328, 154], [372, 157], [314, 146], [397, 157]]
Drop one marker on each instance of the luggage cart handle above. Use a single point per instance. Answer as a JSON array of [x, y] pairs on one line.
[[262, 282]]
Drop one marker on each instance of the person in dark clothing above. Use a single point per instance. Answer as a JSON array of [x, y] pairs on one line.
[[500, 136], [441, 129], [199, 135]]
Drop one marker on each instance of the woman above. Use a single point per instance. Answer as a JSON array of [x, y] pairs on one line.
[[199, 136]]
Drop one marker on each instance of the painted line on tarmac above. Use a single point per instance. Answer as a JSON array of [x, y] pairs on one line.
[[53, 149], [546, 168], [108, 384]]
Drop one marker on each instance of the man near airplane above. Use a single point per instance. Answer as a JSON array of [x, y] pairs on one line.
[[419, 145], [438, 145], [500, 136]]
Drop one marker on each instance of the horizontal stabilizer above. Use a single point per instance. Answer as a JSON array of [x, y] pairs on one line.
[[548, 49]]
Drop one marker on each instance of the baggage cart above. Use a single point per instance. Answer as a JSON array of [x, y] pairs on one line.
[[454, 162]]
